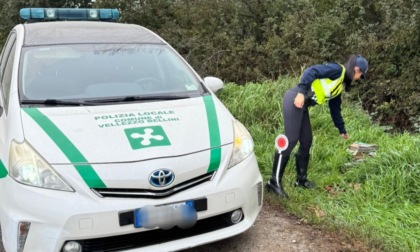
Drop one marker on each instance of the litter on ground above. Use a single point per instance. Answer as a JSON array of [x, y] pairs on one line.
[[361, 150]]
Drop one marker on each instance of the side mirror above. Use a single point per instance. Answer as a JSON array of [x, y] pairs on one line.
[[215, 84]]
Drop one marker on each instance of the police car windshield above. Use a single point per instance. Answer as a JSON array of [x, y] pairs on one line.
[[104, 71]]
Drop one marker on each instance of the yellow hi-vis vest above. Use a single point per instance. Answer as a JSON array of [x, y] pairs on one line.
[[326, 89]]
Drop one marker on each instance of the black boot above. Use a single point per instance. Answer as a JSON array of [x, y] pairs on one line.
[[302, 162], [274, 183]]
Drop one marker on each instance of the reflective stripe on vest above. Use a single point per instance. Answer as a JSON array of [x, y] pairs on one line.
[[326, 89]]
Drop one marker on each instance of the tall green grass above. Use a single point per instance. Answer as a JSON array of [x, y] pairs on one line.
[[376, 200]]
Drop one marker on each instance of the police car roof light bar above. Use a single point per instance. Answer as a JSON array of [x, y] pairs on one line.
[[52, 14]]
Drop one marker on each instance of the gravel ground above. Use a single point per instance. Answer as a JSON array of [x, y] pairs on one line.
[[275, 230], [278, 231]]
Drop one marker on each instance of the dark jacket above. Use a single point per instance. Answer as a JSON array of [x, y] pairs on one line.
[[331, 71]]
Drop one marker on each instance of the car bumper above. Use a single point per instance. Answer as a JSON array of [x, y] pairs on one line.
[[57, 217]]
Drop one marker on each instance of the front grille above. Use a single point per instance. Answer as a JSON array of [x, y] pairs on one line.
[[154, 194], [157, 236]]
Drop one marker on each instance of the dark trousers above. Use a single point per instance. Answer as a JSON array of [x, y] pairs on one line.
[[297, 125]]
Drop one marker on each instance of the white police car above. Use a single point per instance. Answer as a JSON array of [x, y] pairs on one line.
[[110, 141]]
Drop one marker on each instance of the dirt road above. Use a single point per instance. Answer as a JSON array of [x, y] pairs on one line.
[[278, 231]]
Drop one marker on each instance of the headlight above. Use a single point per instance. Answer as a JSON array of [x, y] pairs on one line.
[[28, 167], [243, 144]]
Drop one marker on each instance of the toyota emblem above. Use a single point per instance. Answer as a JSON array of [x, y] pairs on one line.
[[161, 177]]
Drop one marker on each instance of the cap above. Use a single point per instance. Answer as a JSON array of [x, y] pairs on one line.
[[362, 64]]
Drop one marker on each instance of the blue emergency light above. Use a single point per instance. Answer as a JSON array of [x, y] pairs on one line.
[[51, 14]]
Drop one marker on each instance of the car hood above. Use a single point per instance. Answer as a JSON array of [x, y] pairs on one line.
[[127, 132]]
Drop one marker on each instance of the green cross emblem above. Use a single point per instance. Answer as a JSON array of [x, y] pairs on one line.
[[145, 137]]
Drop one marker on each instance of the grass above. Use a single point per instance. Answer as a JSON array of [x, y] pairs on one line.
[[376, 200]]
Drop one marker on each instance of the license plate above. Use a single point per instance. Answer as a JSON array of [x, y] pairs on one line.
[[181, 214]]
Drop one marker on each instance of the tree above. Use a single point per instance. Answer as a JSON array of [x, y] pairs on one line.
[[252, 40]]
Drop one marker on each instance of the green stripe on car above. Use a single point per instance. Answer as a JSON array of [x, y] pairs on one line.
[[85, 170], [3, 170], [214, 132]]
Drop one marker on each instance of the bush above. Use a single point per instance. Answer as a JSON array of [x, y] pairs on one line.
[[251, 41]]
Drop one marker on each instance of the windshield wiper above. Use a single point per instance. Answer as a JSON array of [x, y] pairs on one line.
[[156, 97], [141, 98], [55, 102]]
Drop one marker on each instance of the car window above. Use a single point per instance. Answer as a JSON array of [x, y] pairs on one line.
[[7, 76], [104, 71]]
